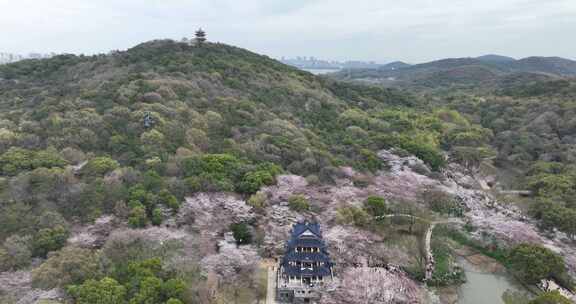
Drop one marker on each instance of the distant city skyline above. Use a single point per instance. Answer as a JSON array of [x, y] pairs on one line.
[[311, 62], [10, 57]]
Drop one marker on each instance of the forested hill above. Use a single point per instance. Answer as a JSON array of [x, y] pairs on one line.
[[209, 99], [198, 97], [74, 140], [97, 150], [131, 134]]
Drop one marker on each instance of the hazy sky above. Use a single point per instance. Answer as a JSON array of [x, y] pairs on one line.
[[380, 30]]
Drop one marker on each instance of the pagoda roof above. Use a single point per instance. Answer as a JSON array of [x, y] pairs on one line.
[[305, 242], [306, 256], [298, 271], [301, 227]]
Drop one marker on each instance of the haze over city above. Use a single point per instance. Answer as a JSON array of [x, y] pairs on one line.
[[412, 31]]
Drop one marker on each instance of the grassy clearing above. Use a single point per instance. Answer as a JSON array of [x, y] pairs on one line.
[[497, 253]]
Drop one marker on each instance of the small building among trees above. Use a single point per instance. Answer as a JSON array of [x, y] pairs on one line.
[[306, 266]]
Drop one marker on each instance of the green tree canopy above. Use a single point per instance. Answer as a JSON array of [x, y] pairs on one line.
[[375, 206], [532, 263], [241, 232], [553, 297], [105, 291]]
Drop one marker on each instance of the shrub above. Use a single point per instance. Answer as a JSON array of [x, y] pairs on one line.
[[138, 218], [49, 239], [224, 172], [298, 203], [253, 181], [551, 297], [174, 289], [17, 160], [152, 181], [71, 265], [241, 233], [532, 263], [552, 215], [91, 202], [107, 291], [353, 215], [368, 160], [157, 217], [218, 164], [149, 291], [99, 166], [5, 260], [263, 175], [550, 185], [313, 180], [375, 206], [257, 200], [167, 199], [15, 252]]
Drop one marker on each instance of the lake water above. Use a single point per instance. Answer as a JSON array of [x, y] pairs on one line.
[[321, 71], [484, 288]]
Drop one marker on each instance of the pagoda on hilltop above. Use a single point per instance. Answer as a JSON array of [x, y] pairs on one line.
[[306, 266], [200, 37]]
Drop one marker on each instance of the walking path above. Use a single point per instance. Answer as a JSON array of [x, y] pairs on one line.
[[428, 245], [429, 267], [271, 286]]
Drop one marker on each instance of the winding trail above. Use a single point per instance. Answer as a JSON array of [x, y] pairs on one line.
[[428, 245], [429, 267]]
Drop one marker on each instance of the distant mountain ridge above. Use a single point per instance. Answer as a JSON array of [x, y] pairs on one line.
[[484, 70], [495, 58], [395, 65], [553, 65]]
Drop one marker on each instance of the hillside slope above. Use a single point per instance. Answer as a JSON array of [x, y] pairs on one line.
[[172, 173], [107, 159], [208, 99]]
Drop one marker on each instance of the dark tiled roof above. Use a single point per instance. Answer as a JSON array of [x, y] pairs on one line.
[[307, 256], [300, 227], [297, 271], [305, 242]]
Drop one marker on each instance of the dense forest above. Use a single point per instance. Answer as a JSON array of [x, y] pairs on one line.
[[527, 105], [74, 144], [534, 136]]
